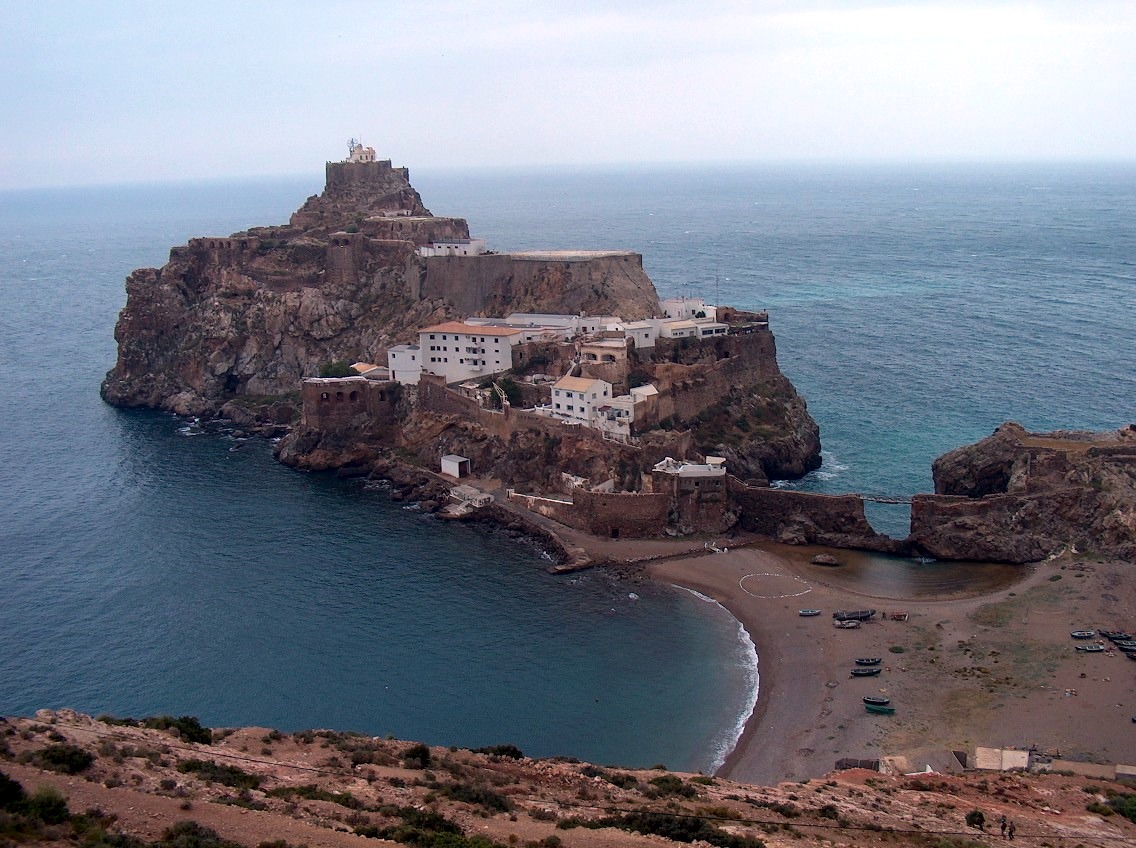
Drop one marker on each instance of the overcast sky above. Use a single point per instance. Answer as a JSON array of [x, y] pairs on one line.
[[102, 92]]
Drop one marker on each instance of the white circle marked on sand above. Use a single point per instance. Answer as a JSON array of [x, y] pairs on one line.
[[774, 586]]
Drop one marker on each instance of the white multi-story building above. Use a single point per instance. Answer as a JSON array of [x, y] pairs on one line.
[[460, 351], [579, 397]]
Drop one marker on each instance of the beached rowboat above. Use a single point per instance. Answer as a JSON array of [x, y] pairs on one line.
[[878, 700], [808, 613], [869, 660], [854, 615], [851, 624], [1083, 634], [879, 709], [1090, 649], [866, 672]]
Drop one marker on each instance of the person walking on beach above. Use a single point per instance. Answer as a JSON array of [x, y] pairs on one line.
[[1012, 829], [1003, 823]]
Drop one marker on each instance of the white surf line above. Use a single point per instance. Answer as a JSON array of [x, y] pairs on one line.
[[805, 591]]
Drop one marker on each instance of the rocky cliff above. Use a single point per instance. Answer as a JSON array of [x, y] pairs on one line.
[[253, 313], [1017, 496]]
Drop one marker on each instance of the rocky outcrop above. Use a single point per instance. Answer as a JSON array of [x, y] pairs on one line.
[[1017, 496], [253, 313]]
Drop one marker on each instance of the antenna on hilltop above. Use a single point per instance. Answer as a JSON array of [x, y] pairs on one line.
[[351, 145]]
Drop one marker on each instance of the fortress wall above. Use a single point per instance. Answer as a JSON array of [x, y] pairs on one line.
[[700, 373], [561, 511], [804, 517], [622, 514], [338, 405], [496, 284]]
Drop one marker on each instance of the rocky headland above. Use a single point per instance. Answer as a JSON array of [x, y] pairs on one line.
[[1018, 496], [245, 317]]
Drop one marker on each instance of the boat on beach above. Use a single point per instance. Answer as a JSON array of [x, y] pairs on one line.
[[1090, 649], [851, 624], [869, 660], [808, 613], [1116, 635], [1083, 634], [854, 615], [866, 672], [878, 700], [879, 709]]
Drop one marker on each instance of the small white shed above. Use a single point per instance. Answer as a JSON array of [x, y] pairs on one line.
[[455, 466]]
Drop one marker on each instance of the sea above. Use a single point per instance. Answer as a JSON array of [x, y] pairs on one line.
[[152, 564]]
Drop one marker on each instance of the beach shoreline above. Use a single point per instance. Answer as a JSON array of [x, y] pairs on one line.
[[940, 666]]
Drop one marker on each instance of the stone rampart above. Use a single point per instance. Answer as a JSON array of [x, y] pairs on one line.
[[339, 405], [497, 284], [800, 518]]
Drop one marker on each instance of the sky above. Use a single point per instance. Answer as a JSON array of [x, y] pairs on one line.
[[107, 92]]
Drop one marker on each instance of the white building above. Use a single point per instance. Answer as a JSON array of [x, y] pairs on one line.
[[680, 329], [642, 333], [461, 351], [405, 363], [454, 247], [579, 398], [715, 466], [687, 307], [577, 324]]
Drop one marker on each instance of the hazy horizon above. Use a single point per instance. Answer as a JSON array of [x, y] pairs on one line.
[[133, 92]]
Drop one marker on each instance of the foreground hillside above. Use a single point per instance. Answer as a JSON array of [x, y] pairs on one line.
[[254, 786]]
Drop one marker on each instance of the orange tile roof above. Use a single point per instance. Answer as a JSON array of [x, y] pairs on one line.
[[470, 329]]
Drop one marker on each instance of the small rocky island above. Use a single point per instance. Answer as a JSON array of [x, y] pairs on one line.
[[377, 338]]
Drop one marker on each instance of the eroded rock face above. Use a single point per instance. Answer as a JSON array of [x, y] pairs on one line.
[[1017, 496]]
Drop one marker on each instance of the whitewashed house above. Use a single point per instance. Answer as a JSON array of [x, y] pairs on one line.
[[405, 363], [579, 398]]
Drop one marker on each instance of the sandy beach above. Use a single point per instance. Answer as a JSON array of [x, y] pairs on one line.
[[996, 668]]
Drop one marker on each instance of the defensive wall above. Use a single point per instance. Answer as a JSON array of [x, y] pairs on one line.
[[338, 404], [495, 283], [345, 175], [806, 517], [611, 514]]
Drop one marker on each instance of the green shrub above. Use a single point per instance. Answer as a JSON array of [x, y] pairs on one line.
[[669, 784], [976, 819], [476, 794], [678, 829], [63, 758], [1125, 805], [311, 792], [511, 752], [190, 834], [339, 368], [416, 757], [11, 792], [212, 772], [47, 805]]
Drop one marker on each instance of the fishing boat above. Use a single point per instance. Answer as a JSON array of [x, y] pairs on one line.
[[1125, 643], [1131, 656], [851, 624], [1108, 634], [866, 672], [880, 709], [1126, 649], [808, 613], [878, 700], [869, 660], [1117, 636], [1083, 634], [1090, 649], [854, 615]]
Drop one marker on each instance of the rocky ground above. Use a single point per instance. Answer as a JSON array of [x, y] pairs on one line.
[[255, 785]]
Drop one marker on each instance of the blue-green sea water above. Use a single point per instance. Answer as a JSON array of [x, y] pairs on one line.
[[150, 565]]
